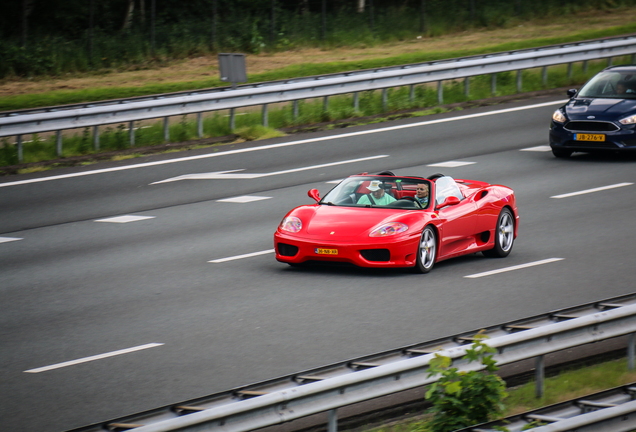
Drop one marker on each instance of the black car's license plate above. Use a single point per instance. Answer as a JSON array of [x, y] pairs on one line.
[[589, 137]]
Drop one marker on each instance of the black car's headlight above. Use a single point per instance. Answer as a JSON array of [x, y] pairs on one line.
[[558, 116], [628, 120]]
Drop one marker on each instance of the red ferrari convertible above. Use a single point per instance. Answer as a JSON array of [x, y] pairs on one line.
[[390, 221]]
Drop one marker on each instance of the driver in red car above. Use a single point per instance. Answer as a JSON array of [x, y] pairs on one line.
[[377, 195]]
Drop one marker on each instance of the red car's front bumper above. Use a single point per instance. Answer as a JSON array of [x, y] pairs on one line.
[[377, 252]]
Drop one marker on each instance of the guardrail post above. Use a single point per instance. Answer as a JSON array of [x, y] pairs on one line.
[[58, 143], [539, 375], [332, 424], [466, 87], [200, 125], [412, 93], [232, 120], [569, 70], [325, 104], [609, 61], [265, 116], [96, 138], [384, 99], [166, 129], [131, 133], [633, 59], [440, 93], [20, 149], [544, 76], [493, 84], [295, 109], [519, 81], [356, 102], [631, 350]]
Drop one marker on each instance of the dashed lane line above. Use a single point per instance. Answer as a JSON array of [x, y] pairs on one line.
[[517, 267], [450, 164], [125, 219], [93, 358], [244, 199], [9, 239], [543, 148], [587, 191], [237, 257]]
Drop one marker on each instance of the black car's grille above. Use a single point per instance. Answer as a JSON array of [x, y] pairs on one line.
[[591, 126], [376, 254], [287, 249]]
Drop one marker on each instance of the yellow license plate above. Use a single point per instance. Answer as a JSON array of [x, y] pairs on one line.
[[321, 251], [589, 137]]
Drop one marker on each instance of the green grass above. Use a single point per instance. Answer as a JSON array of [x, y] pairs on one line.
[[62, 97], [567, 385], [249, 120]]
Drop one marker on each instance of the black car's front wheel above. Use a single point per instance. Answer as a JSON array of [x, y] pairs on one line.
[[504, 235], [427, 250]]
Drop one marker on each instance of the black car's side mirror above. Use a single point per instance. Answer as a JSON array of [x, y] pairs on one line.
[[572, 93]]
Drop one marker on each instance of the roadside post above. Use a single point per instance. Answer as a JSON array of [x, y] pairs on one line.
[[232, 69]]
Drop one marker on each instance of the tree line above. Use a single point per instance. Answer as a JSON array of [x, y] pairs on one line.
[[51, 36]]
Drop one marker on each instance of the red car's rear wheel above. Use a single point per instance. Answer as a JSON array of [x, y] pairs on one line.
[[504, 235]]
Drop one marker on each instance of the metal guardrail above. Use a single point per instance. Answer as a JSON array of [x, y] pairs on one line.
[[327, 388], [612, 410], [19, 123]]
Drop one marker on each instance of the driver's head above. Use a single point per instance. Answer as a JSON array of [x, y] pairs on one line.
[[376, 188], [422, 190], [621, 88]]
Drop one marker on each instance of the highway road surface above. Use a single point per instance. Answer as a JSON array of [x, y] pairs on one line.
[[135, 284]]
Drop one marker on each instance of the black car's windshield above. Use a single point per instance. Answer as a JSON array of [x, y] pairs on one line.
[[611, 84], [380, 192]]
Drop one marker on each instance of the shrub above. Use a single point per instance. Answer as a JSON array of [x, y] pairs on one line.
[[462, 399]]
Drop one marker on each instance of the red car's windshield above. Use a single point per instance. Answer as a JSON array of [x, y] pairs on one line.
[[381, 191]]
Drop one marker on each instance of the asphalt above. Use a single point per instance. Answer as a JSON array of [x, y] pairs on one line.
[[74, 288]]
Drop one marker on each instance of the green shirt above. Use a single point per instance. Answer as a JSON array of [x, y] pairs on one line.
[[385, 200]]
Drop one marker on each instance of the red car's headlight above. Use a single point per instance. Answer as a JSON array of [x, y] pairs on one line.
[[291, 224], [389, 229]]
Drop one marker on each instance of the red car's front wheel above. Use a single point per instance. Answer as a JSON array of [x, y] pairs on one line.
[[427, 250]]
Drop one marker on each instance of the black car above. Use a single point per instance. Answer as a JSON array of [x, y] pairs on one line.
[[599, 117]]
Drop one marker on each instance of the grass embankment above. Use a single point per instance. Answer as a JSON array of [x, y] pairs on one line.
[[563, 387], [198, 73]]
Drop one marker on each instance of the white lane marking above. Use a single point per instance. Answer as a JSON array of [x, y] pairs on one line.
[[334, 181], [598, 189], [273, 146], [517, 267], [125, 219], [237, 257], [220, 175], [544, 148], [92, 358], [9, 239], [450, 164], [244, 199]]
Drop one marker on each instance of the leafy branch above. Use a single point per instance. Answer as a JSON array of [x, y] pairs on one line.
[[462, 399]]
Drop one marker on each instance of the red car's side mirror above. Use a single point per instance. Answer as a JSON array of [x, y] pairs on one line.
[[313, 193], [450, 201]]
